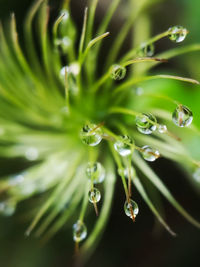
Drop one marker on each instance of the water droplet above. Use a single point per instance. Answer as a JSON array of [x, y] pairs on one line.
[[7, 208], [146, 123], [139, 91], [65, 14], [94, 195], [79, 231], [149, 153], [177, 33], [162, 128], [126, 171], [182, 116], [118, 72], [196, 175], [131, 208], [91, 134], [16, 179], [95, 172], [147, 50], [31, 153], [124, 145], [63, 43]]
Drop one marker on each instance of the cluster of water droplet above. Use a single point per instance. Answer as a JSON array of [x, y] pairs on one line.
[[124, 145], [146, 123], [182, 116], [91, 134], [177, 33], [131, 208], [79, 231], [149, 153], [118, 72]]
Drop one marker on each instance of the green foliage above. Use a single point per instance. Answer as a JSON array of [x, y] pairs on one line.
[[59, 117]]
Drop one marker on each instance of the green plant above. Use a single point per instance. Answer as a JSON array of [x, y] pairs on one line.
[[56, 108]]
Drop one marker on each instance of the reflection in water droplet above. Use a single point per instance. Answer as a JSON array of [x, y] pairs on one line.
[[124, 145], [94, 195], [149, 153], [146, 123], [79, 231], [118, 72], [177, 34], [182, 116], [147, 50], [91, 134], [131, 208]]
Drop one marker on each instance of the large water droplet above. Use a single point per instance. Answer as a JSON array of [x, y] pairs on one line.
[[196, 175], [149, 153], [91, 134], [147, 50], [95, 172], [131, 208], [182, 116], [124, 145], [162, 128], [79, 231], [94, 195], [118, 72], [177, 33], [146, 123]]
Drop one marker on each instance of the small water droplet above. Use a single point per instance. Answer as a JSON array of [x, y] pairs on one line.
[[7, 208], [94, 195], [124, 145], [95, 172], [16, 179], [149, 153], [139, 91], [91, 134], [147, 50], [63, 43], [196, 175], [126, 171], [65, 14], [177, 33], [162, 128], [146, 123], [182, 116], [79, 231], [131, 208], [118, 72], [31, 153]]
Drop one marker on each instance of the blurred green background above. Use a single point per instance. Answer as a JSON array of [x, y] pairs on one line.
[[124, 244]]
